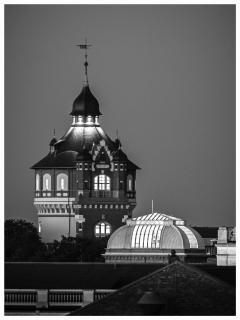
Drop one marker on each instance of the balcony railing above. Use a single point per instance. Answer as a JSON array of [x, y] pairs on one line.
[[20, 297], [102, 193], [73, 193], [52, 297]]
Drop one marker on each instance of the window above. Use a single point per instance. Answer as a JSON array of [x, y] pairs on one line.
[[102, 182], [102, 229], [62, 181], [37, 182], [129, 183], [39, 227], [46, 181]]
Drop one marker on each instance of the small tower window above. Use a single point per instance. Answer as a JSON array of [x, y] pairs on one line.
[[62, 182], [102, 229], [37, 182], [129, 182], [97, 230], [46, 182], [108, 229], [39, 227], [89, 119], [102, 182]]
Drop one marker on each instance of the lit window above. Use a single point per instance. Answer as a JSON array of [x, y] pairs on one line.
[[108, 230], [46, 181], [102, 229], [102, 182], [39, 227], [89, 119], [37, 182], [62, 182], [129, 182], [97, 229]]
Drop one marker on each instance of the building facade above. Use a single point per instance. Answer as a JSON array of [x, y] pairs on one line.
[[226, 246], [85, 185]]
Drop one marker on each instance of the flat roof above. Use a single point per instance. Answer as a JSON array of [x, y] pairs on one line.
[[64, 275]]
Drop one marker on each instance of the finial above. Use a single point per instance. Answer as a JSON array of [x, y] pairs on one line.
[[119, 145], [85, 47], [54, 133], [152, 206]]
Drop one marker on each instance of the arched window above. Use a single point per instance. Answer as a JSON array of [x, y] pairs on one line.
[[62, 181], [129, 182], [46, 181], [102, 182], [37, 182], [102, 229]]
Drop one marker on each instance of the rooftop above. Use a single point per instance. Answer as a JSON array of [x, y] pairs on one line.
[[57, 275]]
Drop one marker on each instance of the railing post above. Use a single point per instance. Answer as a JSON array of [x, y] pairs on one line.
[[88, 296], [42, 299]]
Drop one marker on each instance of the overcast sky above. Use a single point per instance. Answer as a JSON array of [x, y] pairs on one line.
[[164, 76]]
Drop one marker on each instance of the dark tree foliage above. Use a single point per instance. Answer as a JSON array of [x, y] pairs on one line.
[[22, 242], [77, 249]]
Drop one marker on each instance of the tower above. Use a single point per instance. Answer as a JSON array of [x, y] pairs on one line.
[[85, 185]]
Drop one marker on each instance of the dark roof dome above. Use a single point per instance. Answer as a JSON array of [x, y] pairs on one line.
[[85, 104], [52, 142], [84, 155]]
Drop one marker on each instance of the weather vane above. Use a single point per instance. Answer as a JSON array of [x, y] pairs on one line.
[[85, 46]]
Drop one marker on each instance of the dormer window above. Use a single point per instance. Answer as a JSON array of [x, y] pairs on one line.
[[102, 182]]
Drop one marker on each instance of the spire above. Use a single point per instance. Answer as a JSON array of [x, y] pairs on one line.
[[85, 46], [52, 142], [117, 141], [85, 104]]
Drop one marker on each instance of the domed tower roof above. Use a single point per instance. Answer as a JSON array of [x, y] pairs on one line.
[[83, 155], [85, 104], [155, 231]]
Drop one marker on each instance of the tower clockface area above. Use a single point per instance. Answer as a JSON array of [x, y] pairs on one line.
[[85, 185]]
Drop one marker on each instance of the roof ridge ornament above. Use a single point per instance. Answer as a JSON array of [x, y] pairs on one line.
[[85, 46]]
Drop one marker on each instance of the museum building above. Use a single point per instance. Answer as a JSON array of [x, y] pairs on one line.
[[151, 238], [85, 185]]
